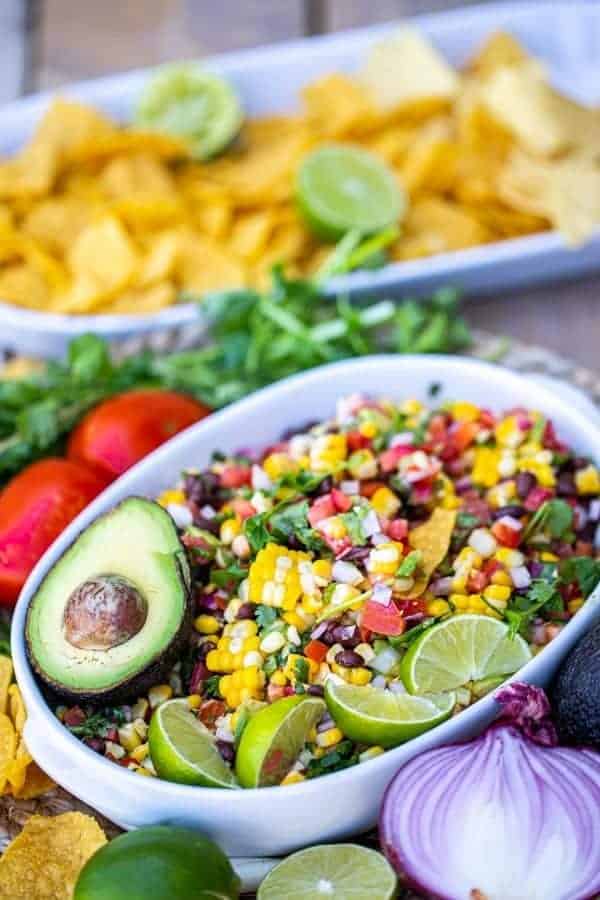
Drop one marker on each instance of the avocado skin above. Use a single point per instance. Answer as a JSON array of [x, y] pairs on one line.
[[575, 692], [155, 671]]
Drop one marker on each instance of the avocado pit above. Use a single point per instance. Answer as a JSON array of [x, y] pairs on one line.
[[104, 612]]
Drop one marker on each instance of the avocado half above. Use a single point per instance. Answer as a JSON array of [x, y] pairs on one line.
[[114, 612], [576, 692]]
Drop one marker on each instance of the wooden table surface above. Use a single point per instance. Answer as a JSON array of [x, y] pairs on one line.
[[81, 38]]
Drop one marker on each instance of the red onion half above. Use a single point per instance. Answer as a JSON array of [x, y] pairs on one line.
[[509, 815]]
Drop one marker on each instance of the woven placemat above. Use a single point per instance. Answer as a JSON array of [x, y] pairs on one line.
[[515, 355]]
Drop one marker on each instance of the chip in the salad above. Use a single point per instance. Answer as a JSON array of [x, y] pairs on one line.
[[45, 859], [432, 540]]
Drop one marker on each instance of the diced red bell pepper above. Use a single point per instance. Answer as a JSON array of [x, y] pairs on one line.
[[397, 529], [322, 508], [505, 535], [357, 441], [341, 501], [388, 460], [536, 497], [368, 488], [242, 508], [412, 607], [477, 581], [382, 619], [490, 566], [235, 476], [316, 650]]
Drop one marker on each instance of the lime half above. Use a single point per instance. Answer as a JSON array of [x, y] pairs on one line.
[[340, 188], [331, 872], [371, 715], [183, 749], [464, 648], [185, 101], [273, 738]]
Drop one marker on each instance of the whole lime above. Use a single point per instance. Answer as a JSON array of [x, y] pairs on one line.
[[156, 863]]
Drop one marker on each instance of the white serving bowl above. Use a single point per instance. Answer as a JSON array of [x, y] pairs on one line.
[[275, 820]]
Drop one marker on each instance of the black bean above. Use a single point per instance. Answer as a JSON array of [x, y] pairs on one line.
[[524, 483], [324, 487], [346, 635], [95, 744], [246, 611], [226, 750], [203, 488], [349, 658], [565, 485], [315, 690], [298, 429], [512, 510]]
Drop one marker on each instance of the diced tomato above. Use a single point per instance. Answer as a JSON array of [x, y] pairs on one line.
[[476, 506], [74, 716], [382, 619], [490, 566], [487, 418], [464, 435], [477, 581], [397, 529], [357, 441], [235, 476], [210, 711], [368, 488], [438, 428], [388, 460], [316, 650], [551, 441], [242, 508], [505, 535], [341, 501], [536, 497], [322, 508], [412, 607]]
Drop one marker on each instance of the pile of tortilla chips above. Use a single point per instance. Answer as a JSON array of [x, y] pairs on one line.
[[19, 774], [45, 859], [97, 218]]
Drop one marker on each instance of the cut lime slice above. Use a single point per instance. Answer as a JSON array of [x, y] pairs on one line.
[[185, 101], [370, 715], [464, 648], [273, 738], [331, 872], [340, 188], [183, 749]]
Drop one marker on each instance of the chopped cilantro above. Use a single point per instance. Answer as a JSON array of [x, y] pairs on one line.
[[341, 757], [211, 687], [542, 596], [582, 569], [402, 641], [353, 521], [282, 523], [270, 665], [303, 482], [234, 573], [554, 516], [537, 432], [4, 639], [265, 616], [301, 670], [255, 529]]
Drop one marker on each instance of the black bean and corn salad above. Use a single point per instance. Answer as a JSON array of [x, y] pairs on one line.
[[357, 560]]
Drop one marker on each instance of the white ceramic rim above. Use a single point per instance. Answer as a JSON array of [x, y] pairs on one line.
[[106, 771], [451, 267]]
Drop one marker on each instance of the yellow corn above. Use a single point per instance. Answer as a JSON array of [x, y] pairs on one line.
[[485, 468], [371, 753], [293, 778], [311, 604], [158, 694], [510, 558], [464, 412], [329, 738], [207, 624], [497, 592], [437, 607], [140, 753], [548, 557], [278, 464], [411, 407], [194, 701], [128, 737], [231, 650], [385, 558], [543, 471], [460, 601], [294, 618], [508, 433], [173, 496], [385, 502], [278, 678], [245, 684], [275, 576], [362, 464], [368, 429], [290, 667], [334, 527], [140, 708], [327, 451], [322, 569], [587, 481], [502, 494], [501, 577], [357, 676], [230, 529]]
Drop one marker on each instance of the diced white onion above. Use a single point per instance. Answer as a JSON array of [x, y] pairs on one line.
[[260, 479], [511, 522], [385, 661], [402, 439], [382, 593], [370, 524], [378, 682], [346, 573], [350, 487], [594, 510], [181, 515], [483, 542], [520, 576], [208, 512], [379, 538]]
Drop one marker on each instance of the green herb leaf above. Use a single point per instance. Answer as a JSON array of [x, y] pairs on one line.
[[265, 616], [409, 564], [542, 596], [584, 570], [210, 688], [554, 516]]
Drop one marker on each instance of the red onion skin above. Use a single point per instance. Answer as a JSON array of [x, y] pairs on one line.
[[564, 777]]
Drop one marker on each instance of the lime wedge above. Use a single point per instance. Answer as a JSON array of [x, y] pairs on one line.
[[185, 101], [273, 738], [331, 872], [340, 188], [371, 715], [183, 749], [464, 648]]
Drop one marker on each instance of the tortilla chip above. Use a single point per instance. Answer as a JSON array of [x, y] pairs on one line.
[[36, 784], [432, 539], [16, 770], [104, 261], [404, 68], [6, 674], [139, 173], [8, 746], [44, 861], [251, 233], [142, 301], [501, 49], [23, 286], [56, 222], [160, 259], [203, 265], [17, 708], [434, 225], [338, 106]]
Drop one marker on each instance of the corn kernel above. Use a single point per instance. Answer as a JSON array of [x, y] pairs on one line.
[[485, 467], [173, 496], [385, 502], [329, 738], [158, 694], [194, 701], [322, 569], [501, 577], [587, 481], [548, 557], [368, 429], [510, 558], [140, 708], [575, 604], [362, 464], [272, 642], [275, 578], [360, 676], [327, 451], [207, 624], [278, 464], [497, 592], [385, 558], [295, 619], [460, 601], [334, 528], [311, 605], [437, 608], [140, 753], [411, 407], [371, 753], [293, 778], [464, 411], [230, 528], [508, 433], [128, 737], [542, 471], [278, 678], [290, 667]]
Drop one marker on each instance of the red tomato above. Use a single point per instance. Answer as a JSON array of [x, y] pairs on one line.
[[505, 535], [34, 508], [322, 508], [121, 431], [316, 650], [235, 476], [382, 619], [341, 501]]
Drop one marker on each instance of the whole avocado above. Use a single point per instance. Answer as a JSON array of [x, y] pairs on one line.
[[157, 863], [576, 692]]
